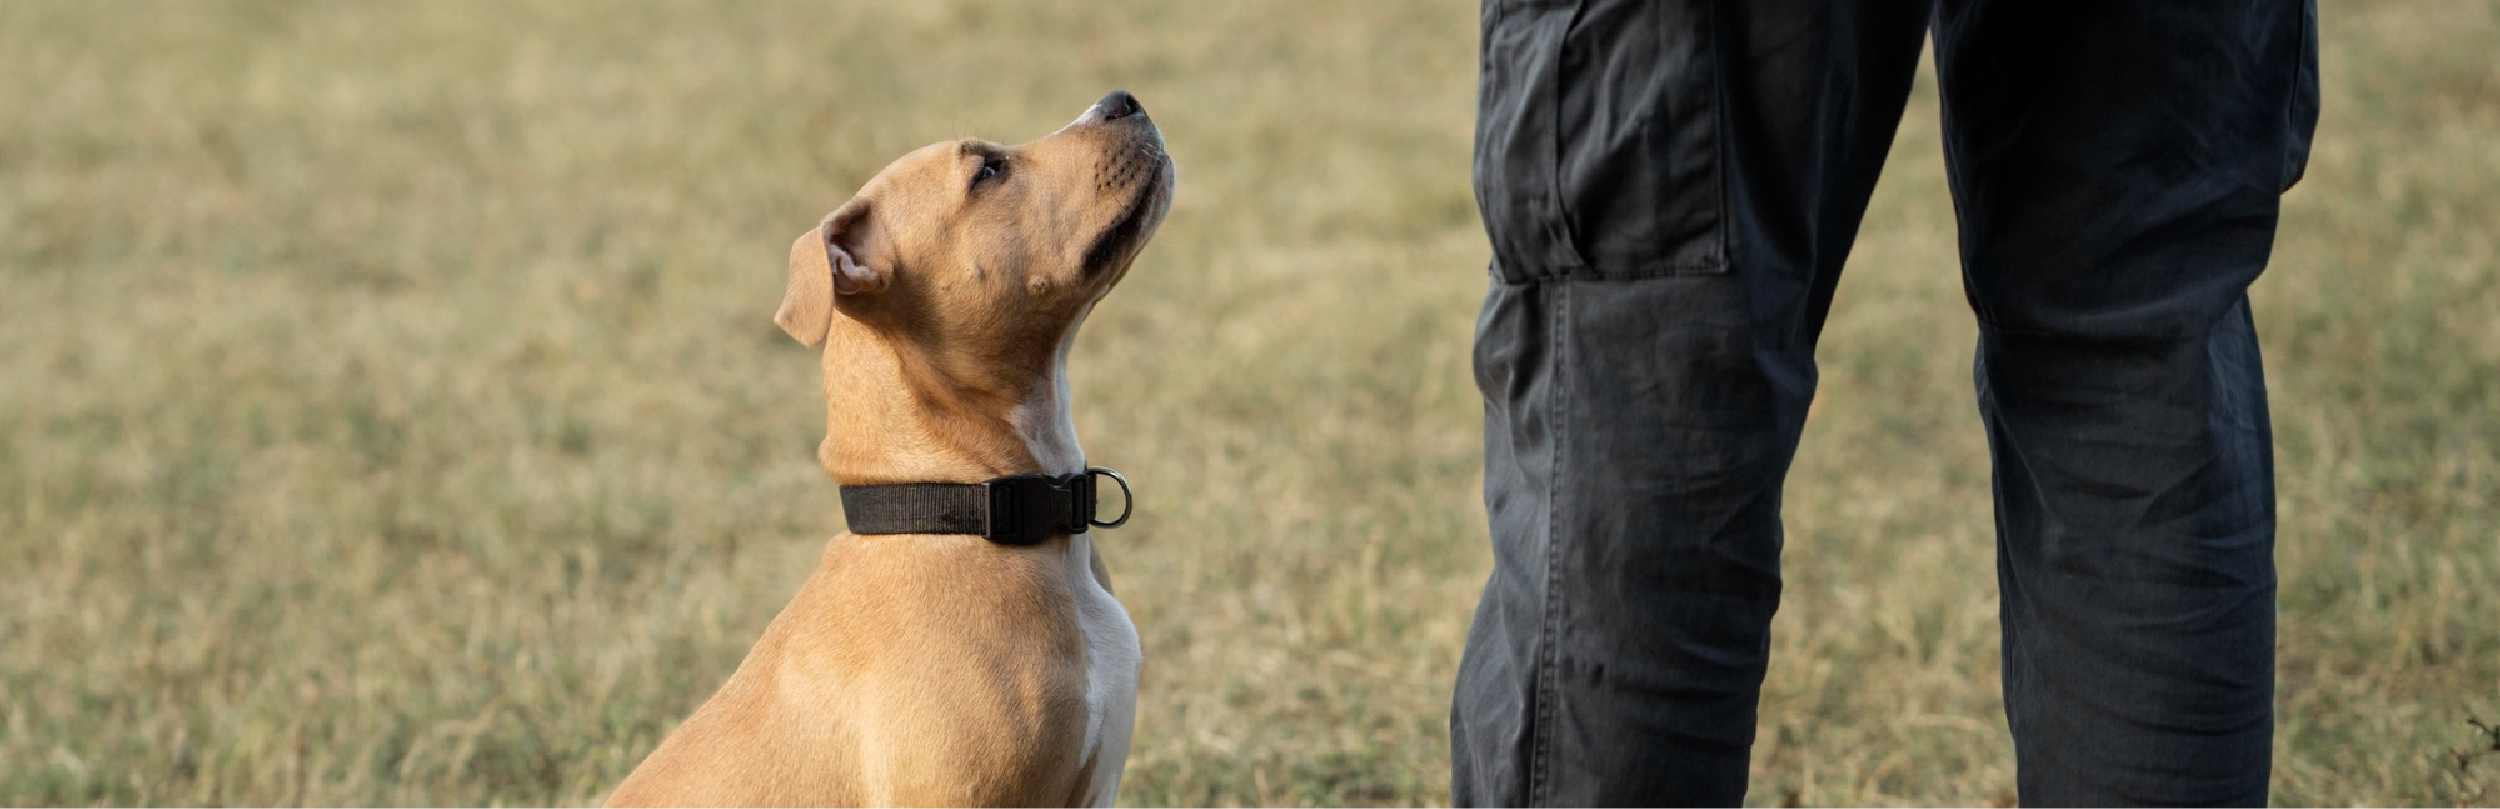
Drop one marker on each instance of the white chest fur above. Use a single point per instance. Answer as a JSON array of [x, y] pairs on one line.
[[1112, 657]]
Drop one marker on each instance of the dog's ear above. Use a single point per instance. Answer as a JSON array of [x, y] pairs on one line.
[[830, 259]]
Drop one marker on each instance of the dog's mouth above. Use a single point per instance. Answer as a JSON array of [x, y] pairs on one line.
[[1126, 233]]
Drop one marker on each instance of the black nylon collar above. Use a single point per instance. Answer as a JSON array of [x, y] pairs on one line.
[[1013, 510]]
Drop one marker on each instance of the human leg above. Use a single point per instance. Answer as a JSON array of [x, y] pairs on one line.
[[2116, 168], [1671, 190]]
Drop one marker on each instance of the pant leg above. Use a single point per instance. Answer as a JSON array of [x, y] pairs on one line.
[[1670, 190], [2116, 167]]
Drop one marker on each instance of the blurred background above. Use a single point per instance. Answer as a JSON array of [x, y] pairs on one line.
[[391, 411]]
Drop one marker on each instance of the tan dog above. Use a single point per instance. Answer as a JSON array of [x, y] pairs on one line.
[[945, 669]]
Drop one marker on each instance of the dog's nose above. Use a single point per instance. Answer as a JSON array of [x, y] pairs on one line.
[[1119, 104]]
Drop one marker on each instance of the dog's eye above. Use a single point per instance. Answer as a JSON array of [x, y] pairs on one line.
[[991, 168]]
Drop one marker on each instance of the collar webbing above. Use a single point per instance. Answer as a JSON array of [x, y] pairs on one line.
[[1011, 510]]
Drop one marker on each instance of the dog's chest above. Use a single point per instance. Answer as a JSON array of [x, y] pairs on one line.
[[1112, 653], [1112, 657]]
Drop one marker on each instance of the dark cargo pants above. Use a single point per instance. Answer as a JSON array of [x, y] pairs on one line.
[[1671, 188]]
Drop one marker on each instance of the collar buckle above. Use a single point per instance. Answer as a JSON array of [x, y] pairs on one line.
[[1026, 509]]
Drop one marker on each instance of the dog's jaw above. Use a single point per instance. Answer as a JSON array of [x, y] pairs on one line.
[[1120, 242]]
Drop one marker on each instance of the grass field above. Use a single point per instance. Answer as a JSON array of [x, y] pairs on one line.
[[391, 413]]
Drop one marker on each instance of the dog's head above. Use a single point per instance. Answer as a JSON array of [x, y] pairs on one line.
[[970, 242]]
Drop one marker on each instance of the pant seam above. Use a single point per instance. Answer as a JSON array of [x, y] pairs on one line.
[[1558, 400], [1988, 324]]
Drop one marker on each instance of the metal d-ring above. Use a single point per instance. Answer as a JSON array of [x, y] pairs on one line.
[[1128, 500]]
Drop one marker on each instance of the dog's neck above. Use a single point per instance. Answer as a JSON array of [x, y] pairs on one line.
[[903, 413]]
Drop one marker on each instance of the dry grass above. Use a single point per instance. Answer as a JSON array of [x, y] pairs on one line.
[[391, 412]]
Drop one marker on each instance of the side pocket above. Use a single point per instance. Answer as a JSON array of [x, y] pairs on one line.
[[1597, 139], [1639, 153], [1518, 84], [2302, 119]]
